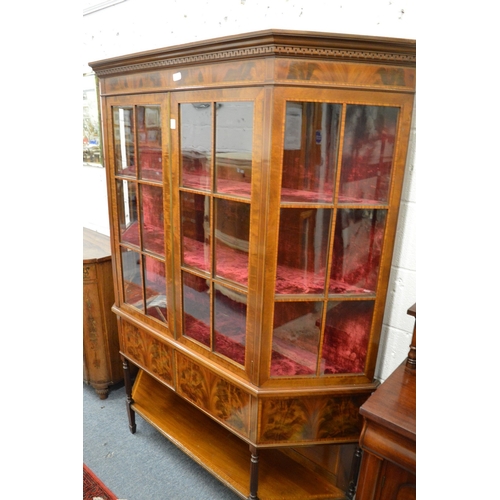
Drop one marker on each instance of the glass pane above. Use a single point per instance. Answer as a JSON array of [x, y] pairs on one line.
[[132, 280], [152, 219], [196, 144], [126, 193], [196, 307], [232, 232], [195, 229], [230, 313], [156, 299], [123, 127], [149, 142], [359, 234], [310, 151], [233, 143], [302, 250], [347, 331], [295, 338], [370, 133]]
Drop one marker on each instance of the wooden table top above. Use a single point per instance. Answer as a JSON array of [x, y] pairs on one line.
[[96, 246], [393, 404]]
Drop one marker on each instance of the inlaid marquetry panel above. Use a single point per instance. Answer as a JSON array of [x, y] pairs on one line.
[[213, 394], [147, 351], [306, 419]]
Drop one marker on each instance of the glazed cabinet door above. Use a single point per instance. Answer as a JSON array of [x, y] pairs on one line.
[[139, 190], [215, 158], [338, 177]]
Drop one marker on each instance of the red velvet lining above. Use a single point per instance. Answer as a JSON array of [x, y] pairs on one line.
[[283, 366], [233, 262], [200, 331], [346, 336], [229, 321], [358, 243], [152, 236], [289, 280]]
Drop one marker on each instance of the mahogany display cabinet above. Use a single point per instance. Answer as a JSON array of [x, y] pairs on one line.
[[254, 184]]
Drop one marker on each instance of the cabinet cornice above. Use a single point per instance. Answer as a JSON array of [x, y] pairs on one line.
[[272, 43]]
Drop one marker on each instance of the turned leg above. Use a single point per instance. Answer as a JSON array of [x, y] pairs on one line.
[[102, 390], [254, 473], [356, 462], [128, 390]]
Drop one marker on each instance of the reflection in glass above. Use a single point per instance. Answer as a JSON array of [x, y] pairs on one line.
[[230, 310], [152, 219], [92, 150], [196, 307], [195, 230], [347, 331], [132, 280], [295, 338], [123, 127], [196, 144], [149, 142], [368, 152], [310, 151], [359, 235], [302, 250], [232, 232], [233, 143], [156, 299], [126, 193]]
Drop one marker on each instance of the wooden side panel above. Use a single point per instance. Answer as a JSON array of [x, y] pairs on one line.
[[102, 366], [369, 477], [94, 335], [107, 296], [384, 480], [398, 484]]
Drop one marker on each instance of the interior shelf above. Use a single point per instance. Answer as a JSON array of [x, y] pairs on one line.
[[222, 453]]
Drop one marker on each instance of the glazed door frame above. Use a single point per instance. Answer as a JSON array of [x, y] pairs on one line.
[[202, 100], [281, 95], [155, 124]]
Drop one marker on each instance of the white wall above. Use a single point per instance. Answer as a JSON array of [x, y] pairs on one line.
[[136, 25]]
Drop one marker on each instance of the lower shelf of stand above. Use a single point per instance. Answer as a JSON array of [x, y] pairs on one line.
[[222, 453]]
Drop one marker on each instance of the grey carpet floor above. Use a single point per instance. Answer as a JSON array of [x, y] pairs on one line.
[[144, 465]]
